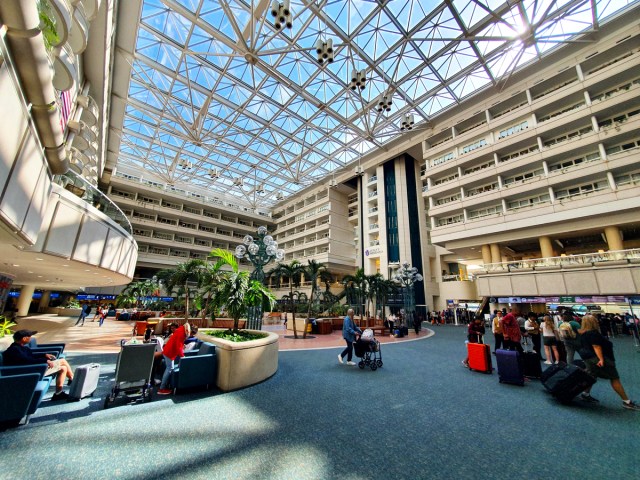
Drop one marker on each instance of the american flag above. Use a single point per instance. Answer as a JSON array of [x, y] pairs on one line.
[[65, 108]]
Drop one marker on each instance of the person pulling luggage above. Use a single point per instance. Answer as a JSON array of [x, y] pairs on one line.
[[597, 353]]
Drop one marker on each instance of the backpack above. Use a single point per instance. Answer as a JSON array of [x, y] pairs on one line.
[[566, 331]]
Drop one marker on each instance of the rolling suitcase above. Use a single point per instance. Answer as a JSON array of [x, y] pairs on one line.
[[85, 381], [510, 367], [565, 382], [531, 365], [479, 357]]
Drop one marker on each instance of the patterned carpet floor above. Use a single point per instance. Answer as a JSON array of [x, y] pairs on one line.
[[421, 416]]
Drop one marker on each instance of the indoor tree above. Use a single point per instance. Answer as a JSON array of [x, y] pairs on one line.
[[132, 293], [356, 288], [181, 277], [292, 271], [313, 272], [237, 291]]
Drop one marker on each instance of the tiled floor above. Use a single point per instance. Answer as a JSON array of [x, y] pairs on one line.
[[91, 337]]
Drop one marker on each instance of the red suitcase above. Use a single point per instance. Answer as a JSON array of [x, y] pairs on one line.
[[479, 357]]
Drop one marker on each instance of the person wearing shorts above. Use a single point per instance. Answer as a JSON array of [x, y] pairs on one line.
[[597, 353], [19, 354]]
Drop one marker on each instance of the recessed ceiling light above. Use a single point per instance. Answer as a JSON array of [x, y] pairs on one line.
[[16, 265], [29, 272], [39, 259], [65, 265], [87, 270]]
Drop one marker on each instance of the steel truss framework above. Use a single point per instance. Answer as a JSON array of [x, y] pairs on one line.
[[217, 94]]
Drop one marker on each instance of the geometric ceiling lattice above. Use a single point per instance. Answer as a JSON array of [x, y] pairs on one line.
[[213, 83]]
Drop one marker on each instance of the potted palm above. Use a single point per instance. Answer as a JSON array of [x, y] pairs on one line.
[[244, 357]]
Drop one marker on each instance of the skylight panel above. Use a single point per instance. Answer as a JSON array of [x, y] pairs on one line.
[[378, 36], [349, 15], [471, 83]]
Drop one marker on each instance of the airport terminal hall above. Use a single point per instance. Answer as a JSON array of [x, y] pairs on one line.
[[320, 239]]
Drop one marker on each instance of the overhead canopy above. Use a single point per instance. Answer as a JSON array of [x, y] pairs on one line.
[[216, 93]]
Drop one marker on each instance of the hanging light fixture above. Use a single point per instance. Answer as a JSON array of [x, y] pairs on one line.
[[214, 173], [407, 122], [384, 104], [185, 165], [358, 79], [282, 14], [239, 182], [324, 50]]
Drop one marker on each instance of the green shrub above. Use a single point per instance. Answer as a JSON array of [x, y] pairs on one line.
[[239, 336]]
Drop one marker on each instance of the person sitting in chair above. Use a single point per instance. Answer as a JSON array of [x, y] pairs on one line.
[[19, 354]]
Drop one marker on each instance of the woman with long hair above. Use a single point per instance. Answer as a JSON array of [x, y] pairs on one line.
[[549, 339], [597, 353]]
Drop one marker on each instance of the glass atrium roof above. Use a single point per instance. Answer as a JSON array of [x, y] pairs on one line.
[[222, 99]]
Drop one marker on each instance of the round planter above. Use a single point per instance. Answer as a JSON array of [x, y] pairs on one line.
[[245, 363]]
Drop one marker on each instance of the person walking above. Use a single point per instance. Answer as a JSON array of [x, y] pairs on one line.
[[549, 339], [497, 331], [568, 331], [86, 310], [475, 331], [597, 353], [103, 314], [349, 330], [533, 330], [511, 329]]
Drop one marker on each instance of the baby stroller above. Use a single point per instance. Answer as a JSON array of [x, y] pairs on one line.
[[133, 372], [367, 348]]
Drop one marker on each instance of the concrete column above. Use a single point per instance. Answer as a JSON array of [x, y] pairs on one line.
[[614, 238], [546, 247], [496, 256], [594, 124], [44, 301], [24, 300], [486, 254]]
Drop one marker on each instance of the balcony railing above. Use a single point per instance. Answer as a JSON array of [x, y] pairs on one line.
[[619, 257], [77, 185]]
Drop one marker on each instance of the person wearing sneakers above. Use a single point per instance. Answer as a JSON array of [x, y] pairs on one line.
[[349, 330], [597, 353], [173, 348], [19, 354]]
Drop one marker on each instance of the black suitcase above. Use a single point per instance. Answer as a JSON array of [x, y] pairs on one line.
[[510, 367], [85, 381], [565, 382], [531, 365], [404, 330]]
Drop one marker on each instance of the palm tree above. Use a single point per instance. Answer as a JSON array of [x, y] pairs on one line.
[[291, 271], [181, 276], [384, 288], [313, 272], [132, 293], [356, 287], [237, 291], [210, 277], [373, 282]]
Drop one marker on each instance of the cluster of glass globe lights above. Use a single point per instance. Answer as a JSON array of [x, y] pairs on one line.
[[406, 277], [259, 251]]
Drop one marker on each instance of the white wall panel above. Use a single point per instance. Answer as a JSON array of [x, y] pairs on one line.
[[550, 284], [91, 241], [615, 281], [63, 230], [112, 250], [22, 184], [524, 285], [38, 207], [13, 125], [581, 283]]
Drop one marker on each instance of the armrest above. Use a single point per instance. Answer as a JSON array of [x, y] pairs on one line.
[[54, 352], [8, 371], [195, 371], [52, 346]]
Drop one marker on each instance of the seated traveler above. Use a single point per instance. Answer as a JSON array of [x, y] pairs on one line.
[[19, 354]]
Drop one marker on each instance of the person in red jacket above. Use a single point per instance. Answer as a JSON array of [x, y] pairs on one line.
[[173, 348], [511, 329]]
